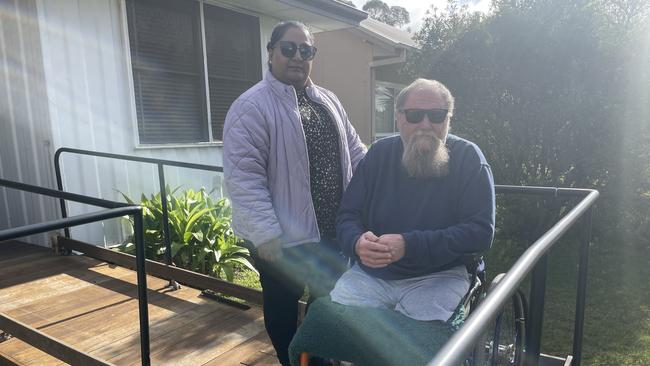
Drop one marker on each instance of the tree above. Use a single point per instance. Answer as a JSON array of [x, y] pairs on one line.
[[391, 15], [556, 93]]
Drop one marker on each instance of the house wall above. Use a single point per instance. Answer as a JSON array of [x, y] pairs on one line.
[[342, 66], [25, 133], [90, 99]]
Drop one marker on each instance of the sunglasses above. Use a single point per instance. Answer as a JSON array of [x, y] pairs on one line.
[[288, 50], [435, 116]]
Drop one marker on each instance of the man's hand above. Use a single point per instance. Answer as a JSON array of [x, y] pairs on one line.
[[270, 251], [372, 253], [396, 244]]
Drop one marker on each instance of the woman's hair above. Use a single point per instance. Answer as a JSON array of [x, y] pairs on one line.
[[281, 28]]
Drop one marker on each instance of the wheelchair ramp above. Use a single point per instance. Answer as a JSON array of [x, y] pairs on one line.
[[93, 307]]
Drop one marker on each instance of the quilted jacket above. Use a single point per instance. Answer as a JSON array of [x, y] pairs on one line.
[[266, 166]]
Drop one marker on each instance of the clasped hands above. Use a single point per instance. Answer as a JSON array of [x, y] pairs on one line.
[[380, 251]]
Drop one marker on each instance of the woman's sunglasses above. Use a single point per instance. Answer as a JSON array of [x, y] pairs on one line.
[[288, 50], [436, 116]]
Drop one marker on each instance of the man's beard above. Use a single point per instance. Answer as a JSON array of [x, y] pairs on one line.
[[425, 156]]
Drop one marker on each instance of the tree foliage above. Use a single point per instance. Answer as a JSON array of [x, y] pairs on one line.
[[392, 15], [554, 91]]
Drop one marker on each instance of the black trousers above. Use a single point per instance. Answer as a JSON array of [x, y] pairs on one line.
[[316, 266]]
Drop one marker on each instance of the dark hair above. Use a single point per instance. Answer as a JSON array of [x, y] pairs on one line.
[[281, 28]]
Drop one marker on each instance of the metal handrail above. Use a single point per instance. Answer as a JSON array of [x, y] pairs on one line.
[[455, 349], [115, 209], [160, 163], [461, 343]]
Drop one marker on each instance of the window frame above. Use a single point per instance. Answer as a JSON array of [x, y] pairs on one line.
[[138, 145], [397, 88]]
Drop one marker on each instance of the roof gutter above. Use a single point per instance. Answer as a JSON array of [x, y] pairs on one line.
[[401, 58], [331, 9]]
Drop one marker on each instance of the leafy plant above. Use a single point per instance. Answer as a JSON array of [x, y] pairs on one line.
[[199, 227]]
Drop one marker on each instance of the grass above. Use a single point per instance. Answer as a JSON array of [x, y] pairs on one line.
[[617, 311], [246, 277], [617, 314]]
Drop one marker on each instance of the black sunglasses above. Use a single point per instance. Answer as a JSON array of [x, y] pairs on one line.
[[288, 50], [436, 116]]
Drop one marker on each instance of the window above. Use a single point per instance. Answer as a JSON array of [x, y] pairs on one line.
[[385, 94], [178, 99]]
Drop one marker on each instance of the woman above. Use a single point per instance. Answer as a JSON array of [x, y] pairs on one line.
[[289, 153]]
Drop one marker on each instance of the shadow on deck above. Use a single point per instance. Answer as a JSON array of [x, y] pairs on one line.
[[93, 306]]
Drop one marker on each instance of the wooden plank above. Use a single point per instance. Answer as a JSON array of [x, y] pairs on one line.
[[166, 332], [40, 268], [8, 261], [124, 330], [161, 270], [8, 361], [256, 351], [102, 321], [105, 325], [203, 339], [52, 346], [63, 305], [17, 250], [11, 245], [112, 326], [37, 357], [56, 284]]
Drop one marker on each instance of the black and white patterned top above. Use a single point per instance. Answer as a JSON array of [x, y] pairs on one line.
[[325, 172]]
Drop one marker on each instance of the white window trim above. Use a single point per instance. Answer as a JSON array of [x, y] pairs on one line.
[[129, 72], [131, 83], [378, 135]]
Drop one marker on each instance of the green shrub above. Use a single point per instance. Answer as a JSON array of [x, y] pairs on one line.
[[199, 227]]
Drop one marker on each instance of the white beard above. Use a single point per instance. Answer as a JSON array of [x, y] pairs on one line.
[[425, 156]]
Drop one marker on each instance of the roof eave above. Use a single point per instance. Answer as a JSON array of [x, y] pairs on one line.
[[389, 42], [330, 8]]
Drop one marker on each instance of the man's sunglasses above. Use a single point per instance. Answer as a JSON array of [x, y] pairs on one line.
[[288, 50], [436, 116]]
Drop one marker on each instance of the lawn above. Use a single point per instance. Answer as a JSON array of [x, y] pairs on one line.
[[617, 314]]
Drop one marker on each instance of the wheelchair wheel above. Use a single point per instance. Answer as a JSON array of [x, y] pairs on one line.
[[506, 343], [502, 344]]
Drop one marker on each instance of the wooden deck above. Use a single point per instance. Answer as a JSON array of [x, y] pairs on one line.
[[93, 306]]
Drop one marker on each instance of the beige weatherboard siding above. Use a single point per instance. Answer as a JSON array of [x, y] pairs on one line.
[[352, 62], [341, 65]]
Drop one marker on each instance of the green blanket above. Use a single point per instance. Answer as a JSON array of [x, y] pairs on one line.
[[367, 337]]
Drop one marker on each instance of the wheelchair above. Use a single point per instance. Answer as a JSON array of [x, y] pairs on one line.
[[502, 344]]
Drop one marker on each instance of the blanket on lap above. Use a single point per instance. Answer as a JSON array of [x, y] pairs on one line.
[[367, 337]]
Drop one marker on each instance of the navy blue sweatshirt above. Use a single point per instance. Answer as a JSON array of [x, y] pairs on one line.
[[441, 218]]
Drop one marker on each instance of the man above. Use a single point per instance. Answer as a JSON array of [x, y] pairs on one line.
[[417, 204]]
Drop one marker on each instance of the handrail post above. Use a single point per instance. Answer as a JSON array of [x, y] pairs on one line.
[[142, 287], [536, 312], [582, 289], [59, 186], [165, 221], [165, 214]]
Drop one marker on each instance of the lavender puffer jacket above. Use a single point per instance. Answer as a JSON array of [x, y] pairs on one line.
[[266, 166]]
